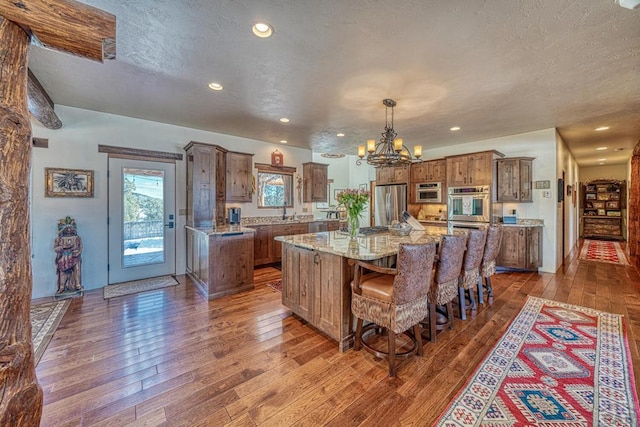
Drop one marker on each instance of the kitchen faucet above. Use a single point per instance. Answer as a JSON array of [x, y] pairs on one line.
[[284, 213]]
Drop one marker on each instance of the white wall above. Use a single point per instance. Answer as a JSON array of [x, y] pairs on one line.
[[541, 145], [75, 146], [619, 172]]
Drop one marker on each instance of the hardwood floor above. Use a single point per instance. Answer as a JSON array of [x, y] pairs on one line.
[[170, 357]]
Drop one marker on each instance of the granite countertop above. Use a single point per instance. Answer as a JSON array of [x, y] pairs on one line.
[[526, 222], [223, 230], [268, 220], [362, 248]]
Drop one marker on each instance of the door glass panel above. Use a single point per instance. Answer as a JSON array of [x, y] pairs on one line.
[[143, 217]]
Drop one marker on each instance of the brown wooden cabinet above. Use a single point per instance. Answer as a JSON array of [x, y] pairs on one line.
[[392, 175], [470, 169], [314, 288], [220, 264], [429, 171], [266, 250], [206, 184], [262, 244], [603, 209], [238, 177], [513, 179], [315, 182], [521, 248]]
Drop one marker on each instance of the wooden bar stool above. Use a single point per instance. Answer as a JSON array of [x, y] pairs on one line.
[[488, 265], [393, 298], [470, 274], [445, 284]]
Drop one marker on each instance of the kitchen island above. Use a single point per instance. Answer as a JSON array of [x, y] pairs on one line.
[[220, 259], [316, 274]]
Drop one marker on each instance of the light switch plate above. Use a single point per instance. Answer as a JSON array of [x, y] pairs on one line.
[[546, 194]]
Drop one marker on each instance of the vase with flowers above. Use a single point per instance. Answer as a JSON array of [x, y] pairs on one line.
[[354, 201]]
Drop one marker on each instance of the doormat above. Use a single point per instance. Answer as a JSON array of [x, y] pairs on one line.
[[45, 318], [603, 251], [275, 285], [556, 365], [135, 286]]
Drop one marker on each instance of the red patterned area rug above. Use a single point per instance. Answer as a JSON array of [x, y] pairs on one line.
[[275, 285], [556, 365], [603, 251]]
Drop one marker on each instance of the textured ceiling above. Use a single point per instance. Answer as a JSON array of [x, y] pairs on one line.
[[495, 68]]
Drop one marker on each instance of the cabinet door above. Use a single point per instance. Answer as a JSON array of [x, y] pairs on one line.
[[400, 175], [508, 177], [383, 176], [456, 171], [238, 177], [297, 279], [276, 252], [512, 251], [479, 169], [526, 195], [437, 170], [534, 248], [419, 172], [204, 163], [319, 183], [327, 293], [262, 245]]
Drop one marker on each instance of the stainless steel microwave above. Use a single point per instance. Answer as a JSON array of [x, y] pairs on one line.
[[429, 192]]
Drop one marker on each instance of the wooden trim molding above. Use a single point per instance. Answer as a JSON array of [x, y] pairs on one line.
[[40, 104], [264, 167], [139, 154]]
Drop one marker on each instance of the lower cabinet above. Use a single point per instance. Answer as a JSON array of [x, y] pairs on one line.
[[521, 248], [266, 250], [315, 287], [220, 264]]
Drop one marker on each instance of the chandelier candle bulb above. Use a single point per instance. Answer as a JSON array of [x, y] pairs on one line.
[[397, 144], [371, 145], [361, 151], [417, 151]]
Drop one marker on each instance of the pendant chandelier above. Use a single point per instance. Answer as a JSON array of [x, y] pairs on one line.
[[390, 151]]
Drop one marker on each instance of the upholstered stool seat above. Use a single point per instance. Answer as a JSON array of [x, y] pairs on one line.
[[444, 287], [488, 265], [394, 299], [470, 274]]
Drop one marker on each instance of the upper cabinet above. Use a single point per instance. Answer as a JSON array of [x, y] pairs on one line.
[[238, 177], [470, 169], [315, 178], [206, 170], [392, 175], [429, 171], [513, 179]]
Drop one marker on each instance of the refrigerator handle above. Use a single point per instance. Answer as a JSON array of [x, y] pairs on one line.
[[387, 207]]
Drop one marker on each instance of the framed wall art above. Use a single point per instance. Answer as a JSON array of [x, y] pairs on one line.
[[68, 182]]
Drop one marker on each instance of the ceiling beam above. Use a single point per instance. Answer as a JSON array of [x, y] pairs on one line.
[[66, 25], [40, 105]]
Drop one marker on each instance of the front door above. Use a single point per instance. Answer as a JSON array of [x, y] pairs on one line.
[[141, 219]]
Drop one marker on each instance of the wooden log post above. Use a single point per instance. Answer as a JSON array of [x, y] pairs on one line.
[[21, 397], [633, 231]]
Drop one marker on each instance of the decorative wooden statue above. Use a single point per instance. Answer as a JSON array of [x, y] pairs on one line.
[[68, 248]]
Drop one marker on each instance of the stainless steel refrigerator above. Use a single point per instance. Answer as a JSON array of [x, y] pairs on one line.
[[390, 201]]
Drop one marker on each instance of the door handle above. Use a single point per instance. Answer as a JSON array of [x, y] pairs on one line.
[[169, 225]]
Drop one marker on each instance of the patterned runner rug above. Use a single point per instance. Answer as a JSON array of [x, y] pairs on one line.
[[276, 285], [133, 287], [45, 318], [603, 251], [556, 365]]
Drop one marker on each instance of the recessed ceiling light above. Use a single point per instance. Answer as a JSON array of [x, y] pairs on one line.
[[262, 30], [602, 128], [284, 120], [601, 163], [601, 148], [215, 86], [340, 134], [455, 128], [601, 160], [284, 141], [618, 149]]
